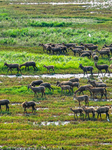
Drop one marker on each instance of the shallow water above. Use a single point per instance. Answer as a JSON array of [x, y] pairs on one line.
[[54, 123], [94, 3], [42, 108], [59, 76], [106, 143]]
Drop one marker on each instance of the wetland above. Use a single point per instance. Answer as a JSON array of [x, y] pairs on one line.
[[24, 24]]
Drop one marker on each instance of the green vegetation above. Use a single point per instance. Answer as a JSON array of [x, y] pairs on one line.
[[22, 28]]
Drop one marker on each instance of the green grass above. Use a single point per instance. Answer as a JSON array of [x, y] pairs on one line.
[[32, 36], [22, 28], [62, 64]]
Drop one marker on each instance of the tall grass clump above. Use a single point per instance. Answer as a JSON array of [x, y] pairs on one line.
[[32, 36]]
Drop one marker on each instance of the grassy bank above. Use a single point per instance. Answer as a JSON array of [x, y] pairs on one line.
[[62, 64]]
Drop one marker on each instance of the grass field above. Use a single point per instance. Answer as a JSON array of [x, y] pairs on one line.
[[22, 27]]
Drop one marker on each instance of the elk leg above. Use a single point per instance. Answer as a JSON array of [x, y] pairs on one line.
[[93, 114], [7, 107], [97, 115], [100, 115], [88, 116], [101, 95], [107, 115], [25, 110]]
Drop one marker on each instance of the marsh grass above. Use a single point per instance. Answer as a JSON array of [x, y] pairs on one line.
[[22, 28], [62, 64]]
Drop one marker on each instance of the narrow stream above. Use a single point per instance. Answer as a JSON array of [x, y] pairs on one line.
[[59, 76]]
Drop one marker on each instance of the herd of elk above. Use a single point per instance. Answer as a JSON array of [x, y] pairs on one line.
[[94, 88]]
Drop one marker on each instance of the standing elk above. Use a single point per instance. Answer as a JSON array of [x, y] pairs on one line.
[[29, 104], [4, 102]]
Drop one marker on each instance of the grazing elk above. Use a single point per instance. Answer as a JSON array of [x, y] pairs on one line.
[[46, 85], [36, 82], [95, 57], [28, 64], [49, 68], [4, 102], [65, 83], [86, 55], [102, 67], [89, 110], [86, 68], [82, 98], [76, 111], [29, 104], [39, 89], [11, 66], [97, 90], [65, 87], [82, 88]]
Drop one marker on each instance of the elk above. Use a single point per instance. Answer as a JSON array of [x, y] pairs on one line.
[[86, 55], [65, 87], [82, 88], [46, 85], [76, 111], [69, 45], [36, 82], [45, 47], [86, 68], [11, 66], [97, 84], [95, 57], [76, 50], [56, 49], [4, 102], [29, 104], [102, 67], [104, 52], [49, 68], [74, 80], [89, 110], [82, 98], [75, 84], [28, 64], [85, 45], [96, 90], [39, 89], [94, 47], [101, 110], [65, 83]]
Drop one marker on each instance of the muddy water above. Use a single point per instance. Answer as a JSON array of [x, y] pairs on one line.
[[59, 76]]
